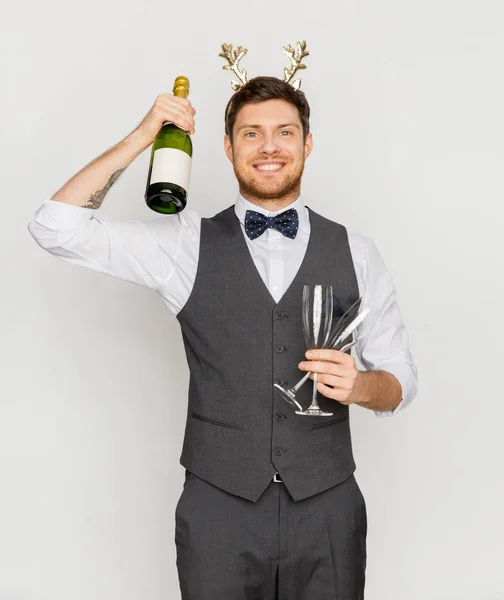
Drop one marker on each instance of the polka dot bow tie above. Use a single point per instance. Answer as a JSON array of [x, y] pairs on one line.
[[257, 223]]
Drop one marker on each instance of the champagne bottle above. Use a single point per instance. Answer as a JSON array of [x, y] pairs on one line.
[[170, 164]]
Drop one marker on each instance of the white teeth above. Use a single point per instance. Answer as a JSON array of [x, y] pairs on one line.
[[270, 167]]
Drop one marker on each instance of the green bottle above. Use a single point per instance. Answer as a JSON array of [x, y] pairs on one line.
[[170, 164]]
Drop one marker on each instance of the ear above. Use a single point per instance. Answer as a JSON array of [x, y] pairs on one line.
[[228, 147], [308, 146]]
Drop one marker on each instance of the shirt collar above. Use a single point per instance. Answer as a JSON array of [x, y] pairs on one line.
[[242, 205]]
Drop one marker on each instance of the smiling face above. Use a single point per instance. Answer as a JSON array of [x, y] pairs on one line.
[[268, 152]]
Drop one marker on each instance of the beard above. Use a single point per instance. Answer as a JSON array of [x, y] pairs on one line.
[[269, 188]]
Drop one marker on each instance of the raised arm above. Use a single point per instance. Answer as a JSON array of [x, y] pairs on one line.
[[89, 186], [69, 226]]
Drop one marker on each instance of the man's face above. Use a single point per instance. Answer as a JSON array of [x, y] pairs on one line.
[[268, 152]]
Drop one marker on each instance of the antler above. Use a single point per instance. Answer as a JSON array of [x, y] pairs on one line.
[[233, 57], [295, 56]]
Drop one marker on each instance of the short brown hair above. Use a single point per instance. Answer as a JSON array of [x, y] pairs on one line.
[[260, 89]]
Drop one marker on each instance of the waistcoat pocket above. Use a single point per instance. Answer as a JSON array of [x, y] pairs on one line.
[[330, 422], [215, 422]]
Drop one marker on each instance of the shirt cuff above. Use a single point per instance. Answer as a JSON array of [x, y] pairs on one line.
[[406, 374]]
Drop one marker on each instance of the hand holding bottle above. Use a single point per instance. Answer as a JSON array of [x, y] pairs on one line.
[[88, 187], [170, 122], [167, 109]]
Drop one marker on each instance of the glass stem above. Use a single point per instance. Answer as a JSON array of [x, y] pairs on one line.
[[300, 382], [314, 404]]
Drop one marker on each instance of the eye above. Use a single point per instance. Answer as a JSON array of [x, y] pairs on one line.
[[250, 134], [287, 133]]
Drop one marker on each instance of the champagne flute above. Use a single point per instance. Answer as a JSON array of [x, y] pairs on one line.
[[317, 309]]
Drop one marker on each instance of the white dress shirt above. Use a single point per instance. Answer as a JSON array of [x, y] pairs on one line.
[[162, 254]]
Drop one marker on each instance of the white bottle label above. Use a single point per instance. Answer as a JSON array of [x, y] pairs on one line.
[[170, 165]]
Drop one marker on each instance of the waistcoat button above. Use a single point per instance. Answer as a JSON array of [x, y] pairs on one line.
[[280, 315], [281, 382], [280, 349], [280, 417], [278, 451]]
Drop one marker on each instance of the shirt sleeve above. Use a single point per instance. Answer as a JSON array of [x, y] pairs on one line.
[[386, 345], [141, 252]]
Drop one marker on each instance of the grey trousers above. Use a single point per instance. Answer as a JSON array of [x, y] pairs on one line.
[[229, 548]]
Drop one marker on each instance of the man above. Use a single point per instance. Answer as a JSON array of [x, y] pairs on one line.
[[270, 507]]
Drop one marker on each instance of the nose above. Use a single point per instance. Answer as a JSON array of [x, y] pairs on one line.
[[269, 144]]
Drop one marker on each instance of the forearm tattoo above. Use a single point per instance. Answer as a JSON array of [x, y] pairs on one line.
[[97, 198]]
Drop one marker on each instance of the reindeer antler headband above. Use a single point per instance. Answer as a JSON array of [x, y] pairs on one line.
[[295, 56]]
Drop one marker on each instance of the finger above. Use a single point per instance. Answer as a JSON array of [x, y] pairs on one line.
[[183, 104], [185, 125], [341, 383], [342, 396], [177, 100], [178, 110], [182, 120], [331, 355], [318, 366], [172, 104]]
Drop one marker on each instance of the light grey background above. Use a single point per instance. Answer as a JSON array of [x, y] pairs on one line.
[[407, 101]]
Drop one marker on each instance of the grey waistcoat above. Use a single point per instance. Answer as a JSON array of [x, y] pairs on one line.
[[238, 342]]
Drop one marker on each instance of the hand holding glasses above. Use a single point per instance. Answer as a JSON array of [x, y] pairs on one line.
[[346, 333]]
